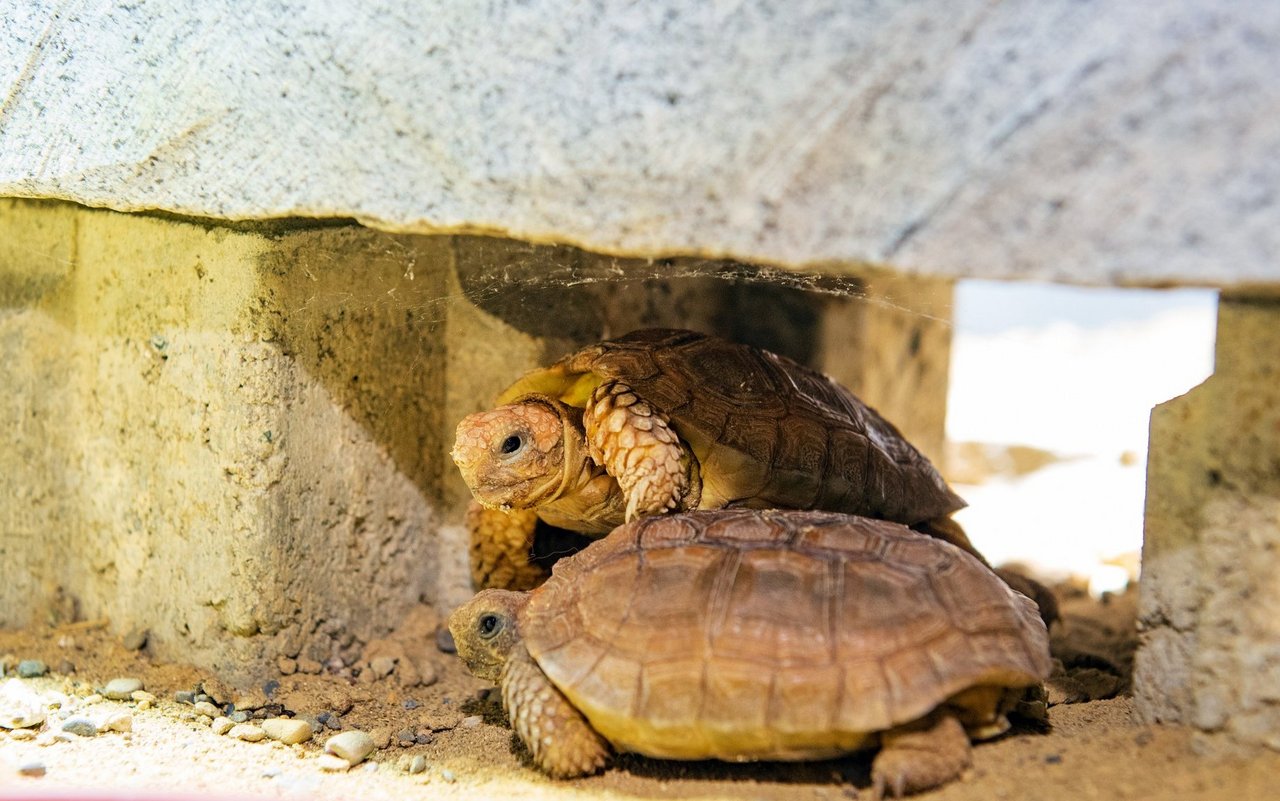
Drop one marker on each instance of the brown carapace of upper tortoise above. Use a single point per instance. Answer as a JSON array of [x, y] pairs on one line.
[[761, 635], [669, 420]]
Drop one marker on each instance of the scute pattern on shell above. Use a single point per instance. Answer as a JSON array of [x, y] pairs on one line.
[[748, 627], [816, 444]]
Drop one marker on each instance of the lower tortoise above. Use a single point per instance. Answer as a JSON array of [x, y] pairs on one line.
[[760, 635]]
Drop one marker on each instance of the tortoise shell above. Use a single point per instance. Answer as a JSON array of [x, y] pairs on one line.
[[767, 432], [774, 635]]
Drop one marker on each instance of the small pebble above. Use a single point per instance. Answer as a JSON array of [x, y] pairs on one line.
[[239, 717], [122, 689], [184, 697], [270, 688], [287, 731], [206, 708], [142, 696], [383, 666], [91, 699], [418, 765], [444, 641], [286, 666], [81, 726], [202, 698], [381, 737], [471, 721], [309, 666], [247, 732], [424, 738], [221, 725], [135, 639], [22, 715], [409, 703], [353, 746], [22, 734], [32, 669], [405, 737], [34, 769], [66, 667], [333, 764], [447, 775], [118, 721]]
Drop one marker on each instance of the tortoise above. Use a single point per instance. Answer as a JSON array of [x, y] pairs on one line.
[[666, 420], [760, 635]]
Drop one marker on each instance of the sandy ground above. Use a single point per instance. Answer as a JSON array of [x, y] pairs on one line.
[[1094, 748]]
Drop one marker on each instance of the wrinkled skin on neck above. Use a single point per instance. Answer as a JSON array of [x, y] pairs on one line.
[[524, 454]]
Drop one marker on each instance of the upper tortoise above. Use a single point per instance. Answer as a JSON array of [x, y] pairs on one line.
[[669, 420], [746, 634]]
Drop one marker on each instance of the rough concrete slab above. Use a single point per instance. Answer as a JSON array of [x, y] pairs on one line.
[[1209, 655], [1104, 143]]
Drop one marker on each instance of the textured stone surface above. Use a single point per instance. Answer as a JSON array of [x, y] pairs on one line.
[[1134, 143], [1209, 655]]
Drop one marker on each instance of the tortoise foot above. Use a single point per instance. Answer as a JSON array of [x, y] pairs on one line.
[[500, 543], [920, 757], [558, 737]]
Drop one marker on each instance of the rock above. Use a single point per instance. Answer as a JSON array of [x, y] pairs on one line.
[[118, 721], [66, 667], [122, 689], [206, 708], [35, 769], [418, 764], [247, 732], [22, 734], [286, 666], [353, 746], [142, 696], [32, 669], [287, 731], [91, 699], [221, 725], [381, 737], [444, 641], [184, 697], [309, 666], [405, 737], [382, 666], [20, 708], [81, 726], [254, 699], [333, 764], [471, 721], [239, 717], [135, 639]]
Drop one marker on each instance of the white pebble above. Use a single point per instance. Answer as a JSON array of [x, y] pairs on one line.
[[353, 746], [221, 725], [247, 732], [333, 764], [22, 734], [206, 708], [287, 731], [122, 689], [142, 695], [418, 764], [118, 721]]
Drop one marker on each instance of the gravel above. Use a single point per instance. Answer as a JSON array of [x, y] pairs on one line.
[[31, 769], [353, 746], [206, 708], [418, 764], [247, 732], [32, 669], [221, 725], [81, 726], [122, 689]]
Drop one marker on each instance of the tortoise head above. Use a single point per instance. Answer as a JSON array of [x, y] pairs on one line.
[[520, 455], [485, 631]]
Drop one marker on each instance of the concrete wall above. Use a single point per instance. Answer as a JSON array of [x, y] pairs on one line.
[[1104, 143], [237, 437]]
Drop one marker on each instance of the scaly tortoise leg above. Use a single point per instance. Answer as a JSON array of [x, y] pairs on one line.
[[637, 446], [500, 543], [558, 737], [921, 756]]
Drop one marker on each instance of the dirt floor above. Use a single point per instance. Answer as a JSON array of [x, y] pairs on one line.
[[428, 706]]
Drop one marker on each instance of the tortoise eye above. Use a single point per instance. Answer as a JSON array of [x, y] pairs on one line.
[[512, 444], [489, 625]]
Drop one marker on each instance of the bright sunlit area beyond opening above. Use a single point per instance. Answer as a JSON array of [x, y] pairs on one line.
[[1050, 396]]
